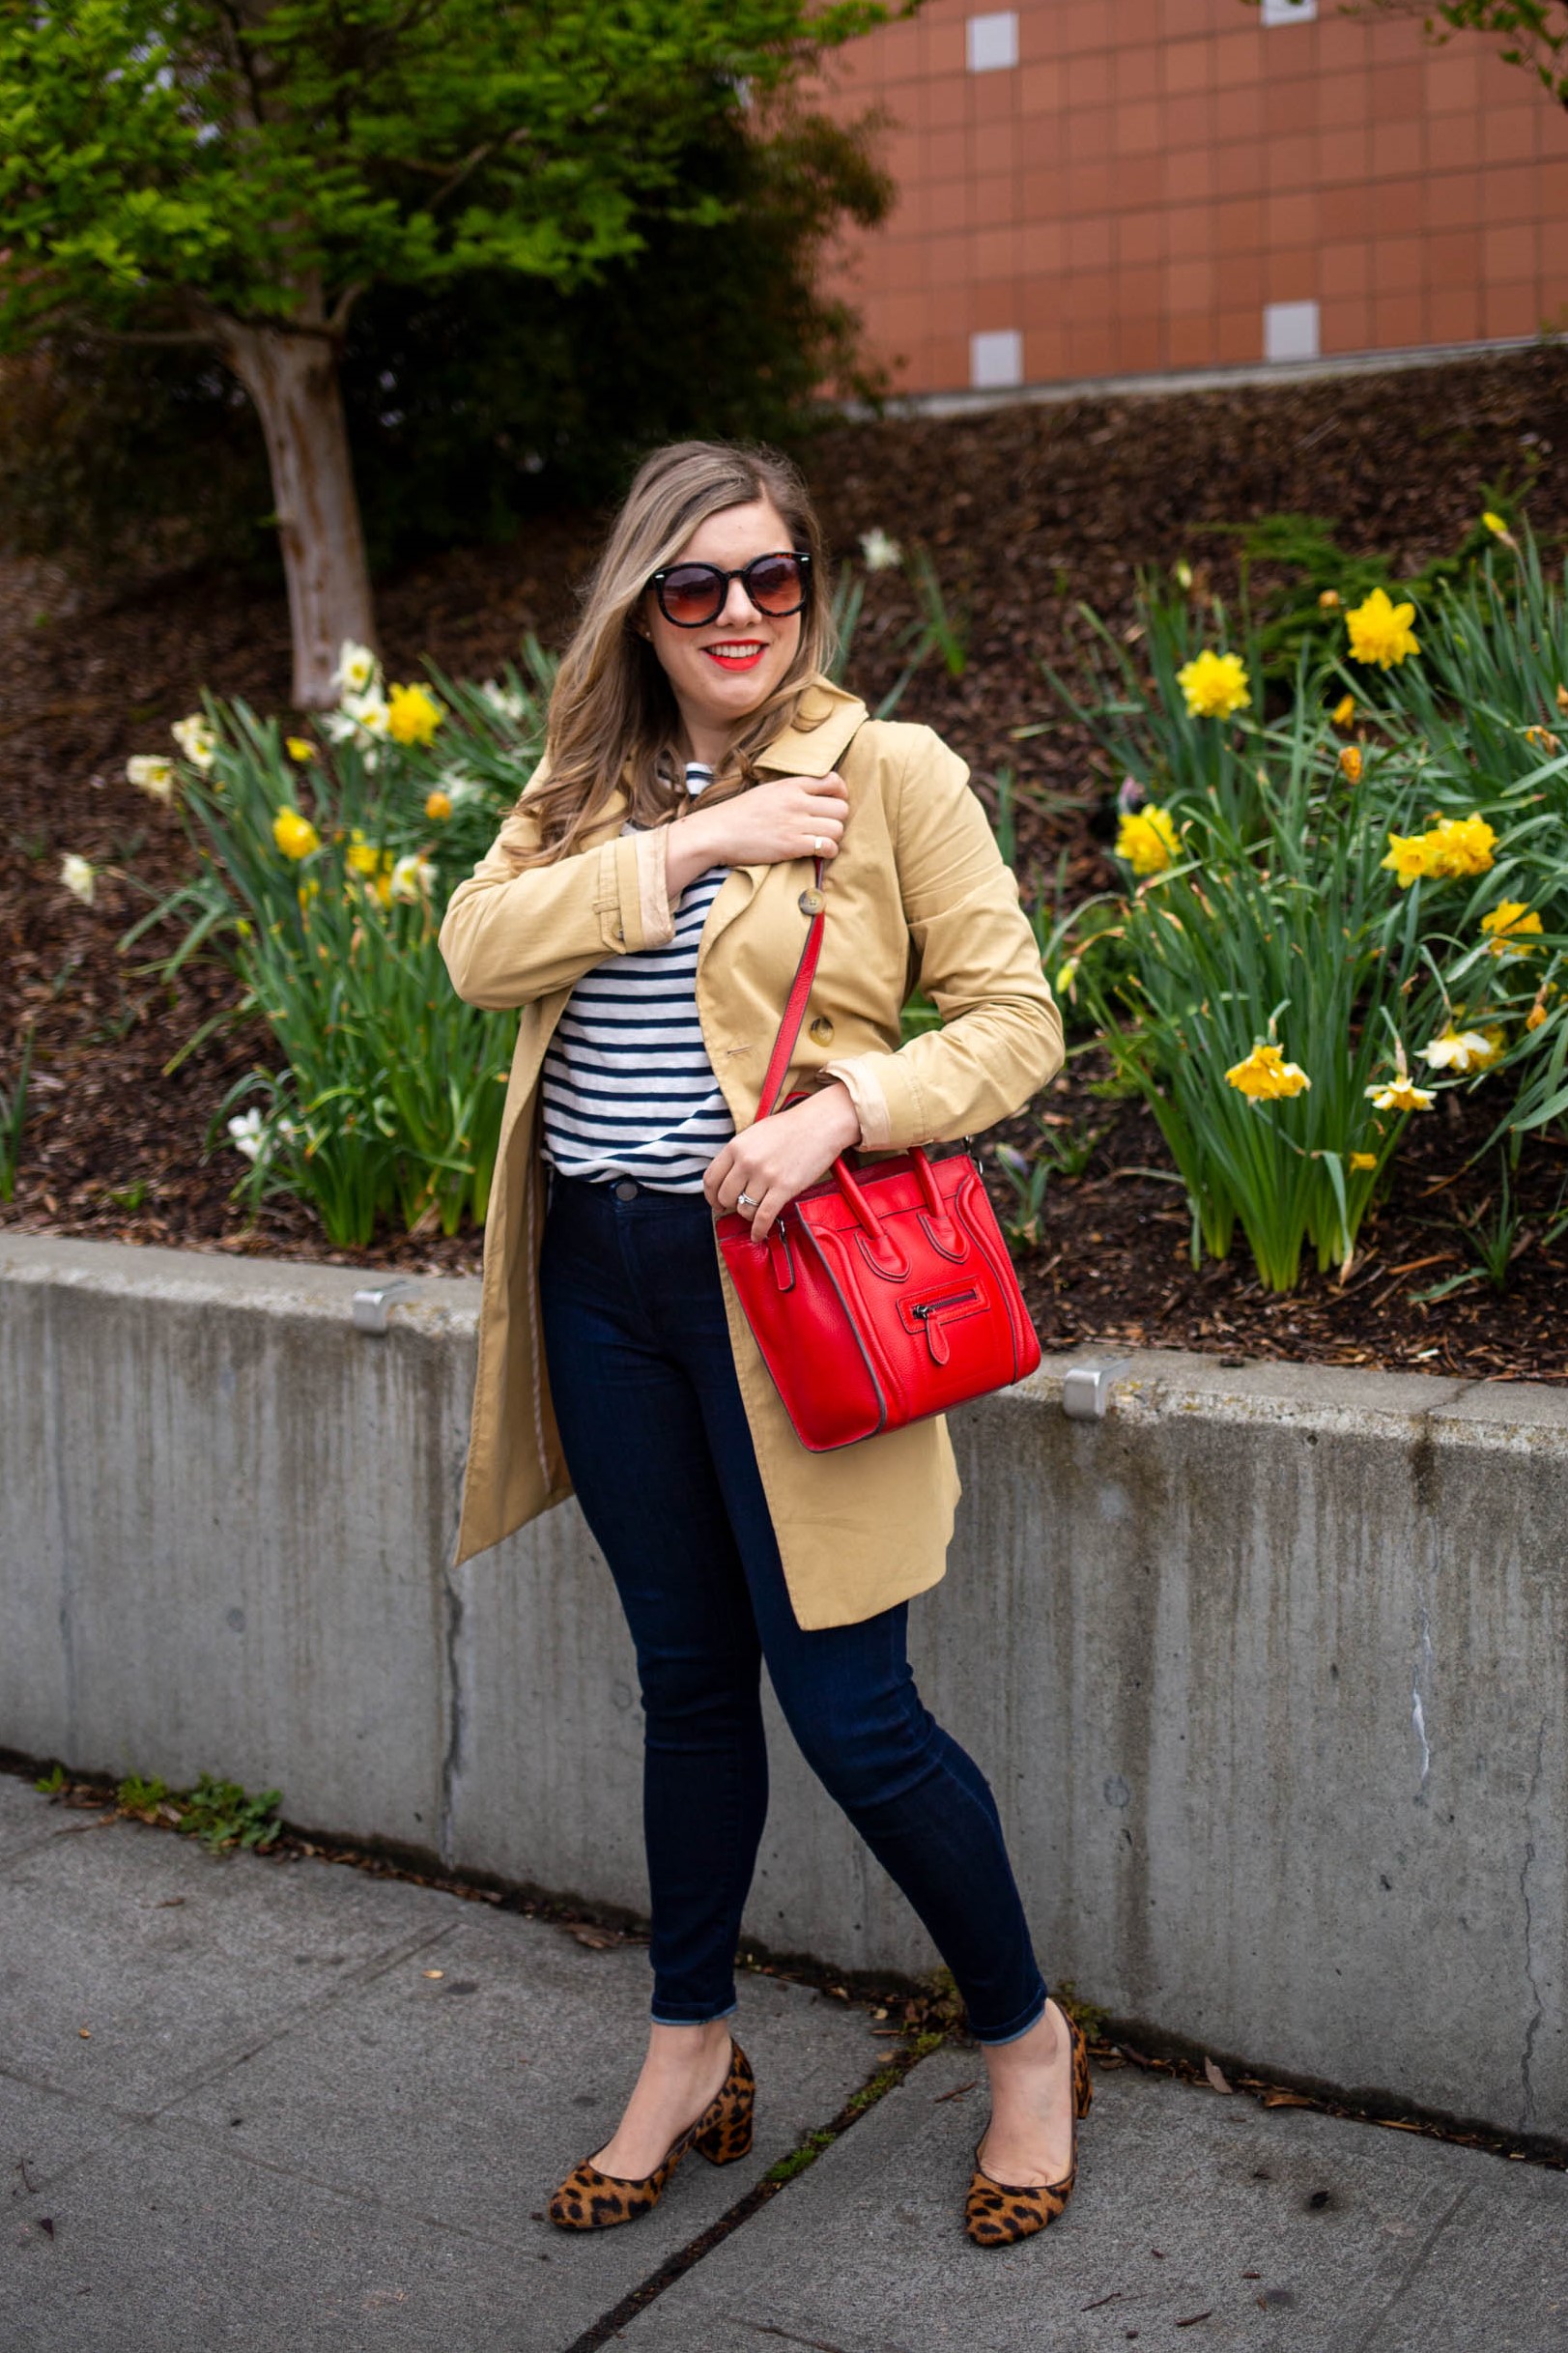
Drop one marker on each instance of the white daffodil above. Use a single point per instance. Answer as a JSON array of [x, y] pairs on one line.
[[504, 699], [197, 738], [881, 553], [80, 877], [248, 1133], [358, 669], [368, 711], [151, 773], [413, 879], [459, 788], [1463, 1050]]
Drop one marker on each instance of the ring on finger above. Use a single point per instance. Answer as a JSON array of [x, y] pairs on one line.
[[745, 1201], [818, 844]]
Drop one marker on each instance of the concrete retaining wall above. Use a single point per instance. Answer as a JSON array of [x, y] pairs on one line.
[[1266, 1667]]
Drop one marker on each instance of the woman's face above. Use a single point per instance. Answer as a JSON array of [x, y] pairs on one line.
[[723, 671]]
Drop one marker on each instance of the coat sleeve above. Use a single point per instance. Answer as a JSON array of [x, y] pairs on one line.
[[511, 935], [977, 961]]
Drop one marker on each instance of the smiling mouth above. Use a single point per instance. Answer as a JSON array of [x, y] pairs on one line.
[[736, 653]]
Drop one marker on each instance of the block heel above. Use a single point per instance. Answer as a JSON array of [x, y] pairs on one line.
[[590, 2200]]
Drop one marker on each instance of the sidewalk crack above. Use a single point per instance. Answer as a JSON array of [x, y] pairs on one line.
[[895, 2072], [1366, 2342]]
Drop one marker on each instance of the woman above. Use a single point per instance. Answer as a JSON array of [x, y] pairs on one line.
[[644, 906]]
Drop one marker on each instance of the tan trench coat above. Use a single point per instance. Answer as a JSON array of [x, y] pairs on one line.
[[918, 894]]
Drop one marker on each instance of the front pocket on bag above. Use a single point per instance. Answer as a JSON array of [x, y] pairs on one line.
[[930, 1315]]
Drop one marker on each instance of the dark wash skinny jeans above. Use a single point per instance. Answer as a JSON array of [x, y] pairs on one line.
[[655, 1435]]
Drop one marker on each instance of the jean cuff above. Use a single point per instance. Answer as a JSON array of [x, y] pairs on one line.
[[691, 2017], [1014, 2033]]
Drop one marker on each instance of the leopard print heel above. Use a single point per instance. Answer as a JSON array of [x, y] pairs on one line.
[[590, 2200], [996, 2213]]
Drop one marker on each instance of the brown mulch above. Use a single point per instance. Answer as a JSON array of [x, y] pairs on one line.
[[1026, 511]]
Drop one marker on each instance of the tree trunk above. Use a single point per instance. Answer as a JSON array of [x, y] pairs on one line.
[[293, 379]]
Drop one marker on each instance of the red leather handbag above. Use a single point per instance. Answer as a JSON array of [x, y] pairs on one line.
[[881, 1297]]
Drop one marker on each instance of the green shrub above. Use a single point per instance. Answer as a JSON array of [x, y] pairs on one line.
[[1328, 920], [325, 868]]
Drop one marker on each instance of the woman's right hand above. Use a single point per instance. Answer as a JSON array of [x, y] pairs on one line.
[[763, 827]]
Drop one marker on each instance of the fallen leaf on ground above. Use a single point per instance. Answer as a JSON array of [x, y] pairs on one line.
[[1216, 2078]]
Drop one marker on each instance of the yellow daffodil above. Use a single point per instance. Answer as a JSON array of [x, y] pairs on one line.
[[1147, 838], [1562, 700], [1349, 763], [1067, 975], [361, 857], [1329, 601], [80, 877], [356, 667], [1215, 685], [299, 747], [1454, 848], [413, 714], [1266, 1076], [437, 805], [1463, 1050], [1343, 711], [1463, 846], [1510, 926], [1407, 857], [294, 835], [151, 774], [1361, 1161], [197, 738], [1542, 739], [1381, 631], [1535, 1016], [1400, 1094], [306, 892], [1495, 523]]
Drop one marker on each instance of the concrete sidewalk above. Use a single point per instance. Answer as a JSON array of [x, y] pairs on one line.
[[241, 2111]]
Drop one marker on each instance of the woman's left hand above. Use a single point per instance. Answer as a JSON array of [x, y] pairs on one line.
[[777, 1158]]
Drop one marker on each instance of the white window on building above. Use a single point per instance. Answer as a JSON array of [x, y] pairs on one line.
[[1289, 331], [996, 359], [1288, 12], [994, 42]]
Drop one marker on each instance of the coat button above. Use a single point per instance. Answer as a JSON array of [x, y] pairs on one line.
[[822, 1029], [810, 902]]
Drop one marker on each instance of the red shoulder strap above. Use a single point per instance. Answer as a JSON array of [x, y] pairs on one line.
[[794, 1011]]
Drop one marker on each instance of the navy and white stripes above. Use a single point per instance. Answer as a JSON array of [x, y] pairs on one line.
[[628, 1086]]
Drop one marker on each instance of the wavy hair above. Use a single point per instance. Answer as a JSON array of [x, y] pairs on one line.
[[612, 714]]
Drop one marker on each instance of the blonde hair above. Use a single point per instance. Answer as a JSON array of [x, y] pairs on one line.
[[612, 714]]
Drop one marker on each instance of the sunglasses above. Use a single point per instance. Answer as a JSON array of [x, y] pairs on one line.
[[692, 595]]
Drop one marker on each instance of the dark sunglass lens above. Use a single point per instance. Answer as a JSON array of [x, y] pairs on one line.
[[776, 584], [691, 594]]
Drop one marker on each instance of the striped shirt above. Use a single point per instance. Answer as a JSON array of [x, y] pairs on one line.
[[628, 1086]]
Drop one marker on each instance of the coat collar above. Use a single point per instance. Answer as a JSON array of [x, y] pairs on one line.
[[813, 745], [826, 720]]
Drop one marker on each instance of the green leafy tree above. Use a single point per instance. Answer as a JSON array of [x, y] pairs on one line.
[[469, 411], [236, 175]]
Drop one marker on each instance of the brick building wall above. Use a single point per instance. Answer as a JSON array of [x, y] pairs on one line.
[[1092, 187]]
